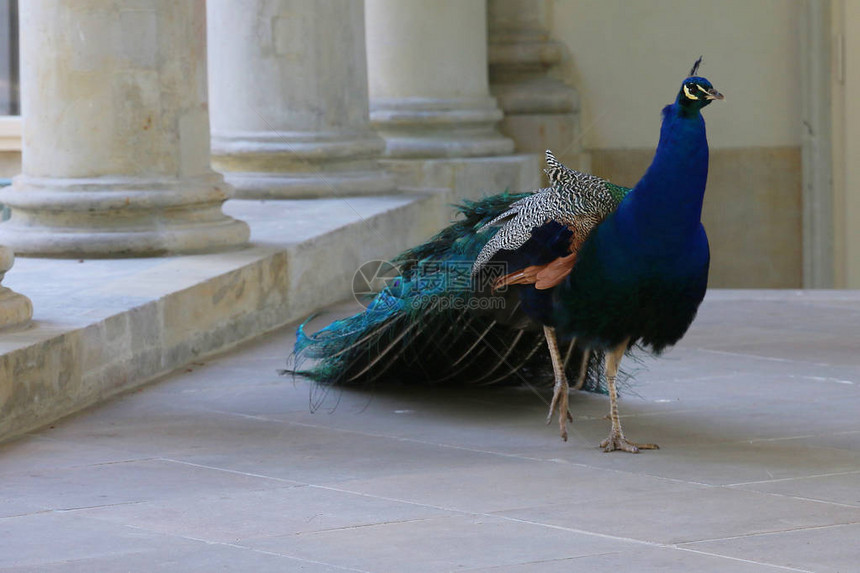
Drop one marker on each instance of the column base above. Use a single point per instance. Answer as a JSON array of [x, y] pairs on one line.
[[164, 239], [295, 165], [118, 217], [15, 309], [416, 128]]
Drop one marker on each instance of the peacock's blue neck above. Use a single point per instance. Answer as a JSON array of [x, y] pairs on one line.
[[666, 204]]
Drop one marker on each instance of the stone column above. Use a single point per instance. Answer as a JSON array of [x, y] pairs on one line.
[[289, 99], [116, 133], [427, 70], [541, 112], [15, 309]]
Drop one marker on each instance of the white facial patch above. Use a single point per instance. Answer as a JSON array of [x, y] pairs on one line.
[[688, 93]]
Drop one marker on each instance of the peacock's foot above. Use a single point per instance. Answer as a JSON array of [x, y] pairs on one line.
[[560, 404], [617, 441]]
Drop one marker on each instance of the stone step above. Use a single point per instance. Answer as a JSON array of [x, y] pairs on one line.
[[104, 326]]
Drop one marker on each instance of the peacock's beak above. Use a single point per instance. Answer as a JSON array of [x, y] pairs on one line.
[[714, 94]]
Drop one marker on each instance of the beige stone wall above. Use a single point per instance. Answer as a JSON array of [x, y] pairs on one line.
[[10, 146], [627, 60], [752, 211], [846, 143], [10, 164]]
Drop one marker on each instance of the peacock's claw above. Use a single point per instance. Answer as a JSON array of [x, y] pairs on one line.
[[562, 422], [560, 404], [617, 441]]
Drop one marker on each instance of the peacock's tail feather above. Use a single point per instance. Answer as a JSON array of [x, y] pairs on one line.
[[436, 323]]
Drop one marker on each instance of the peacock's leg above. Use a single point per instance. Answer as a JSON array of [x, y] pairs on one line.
[[616, 439], [583, 369], [560, 392]]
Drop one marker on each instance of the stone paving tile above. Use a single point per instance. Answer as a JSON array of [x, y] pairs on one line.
[[841, 488], [846, 441], [750, 339], [161, 429], [216, 389], [690, 362], [684, 515], [441, 417], [313, 454], [746, 422], [13, 507], [815, 348], [719, 463], [40, 454], [641, 560], [704, 378], [441, 544], [125, 482], [39, 539], [70, 543], [823, 550], [508, 484], [199, 558], [235, 517], [216, 375]]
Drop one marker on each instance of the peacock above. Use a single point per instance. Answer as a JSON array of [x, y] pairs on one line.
[[591, 269]]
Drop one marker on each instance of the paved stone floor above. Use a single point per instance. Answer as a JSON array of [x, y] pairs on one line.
[[223, 466]]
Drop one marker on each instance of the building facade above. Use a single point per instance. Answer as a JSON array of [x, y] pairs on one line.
[[396, 86]]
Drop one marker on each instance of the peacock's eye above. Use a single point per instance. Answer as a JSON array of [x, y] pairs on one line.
[[690, 90]]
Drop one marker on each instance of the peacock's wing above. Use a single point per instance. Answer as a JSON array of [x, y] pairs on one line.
[[575, 202]]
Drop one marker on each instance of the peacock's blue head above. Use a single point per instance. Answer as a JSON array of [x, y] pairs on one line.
[[696, 92]]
